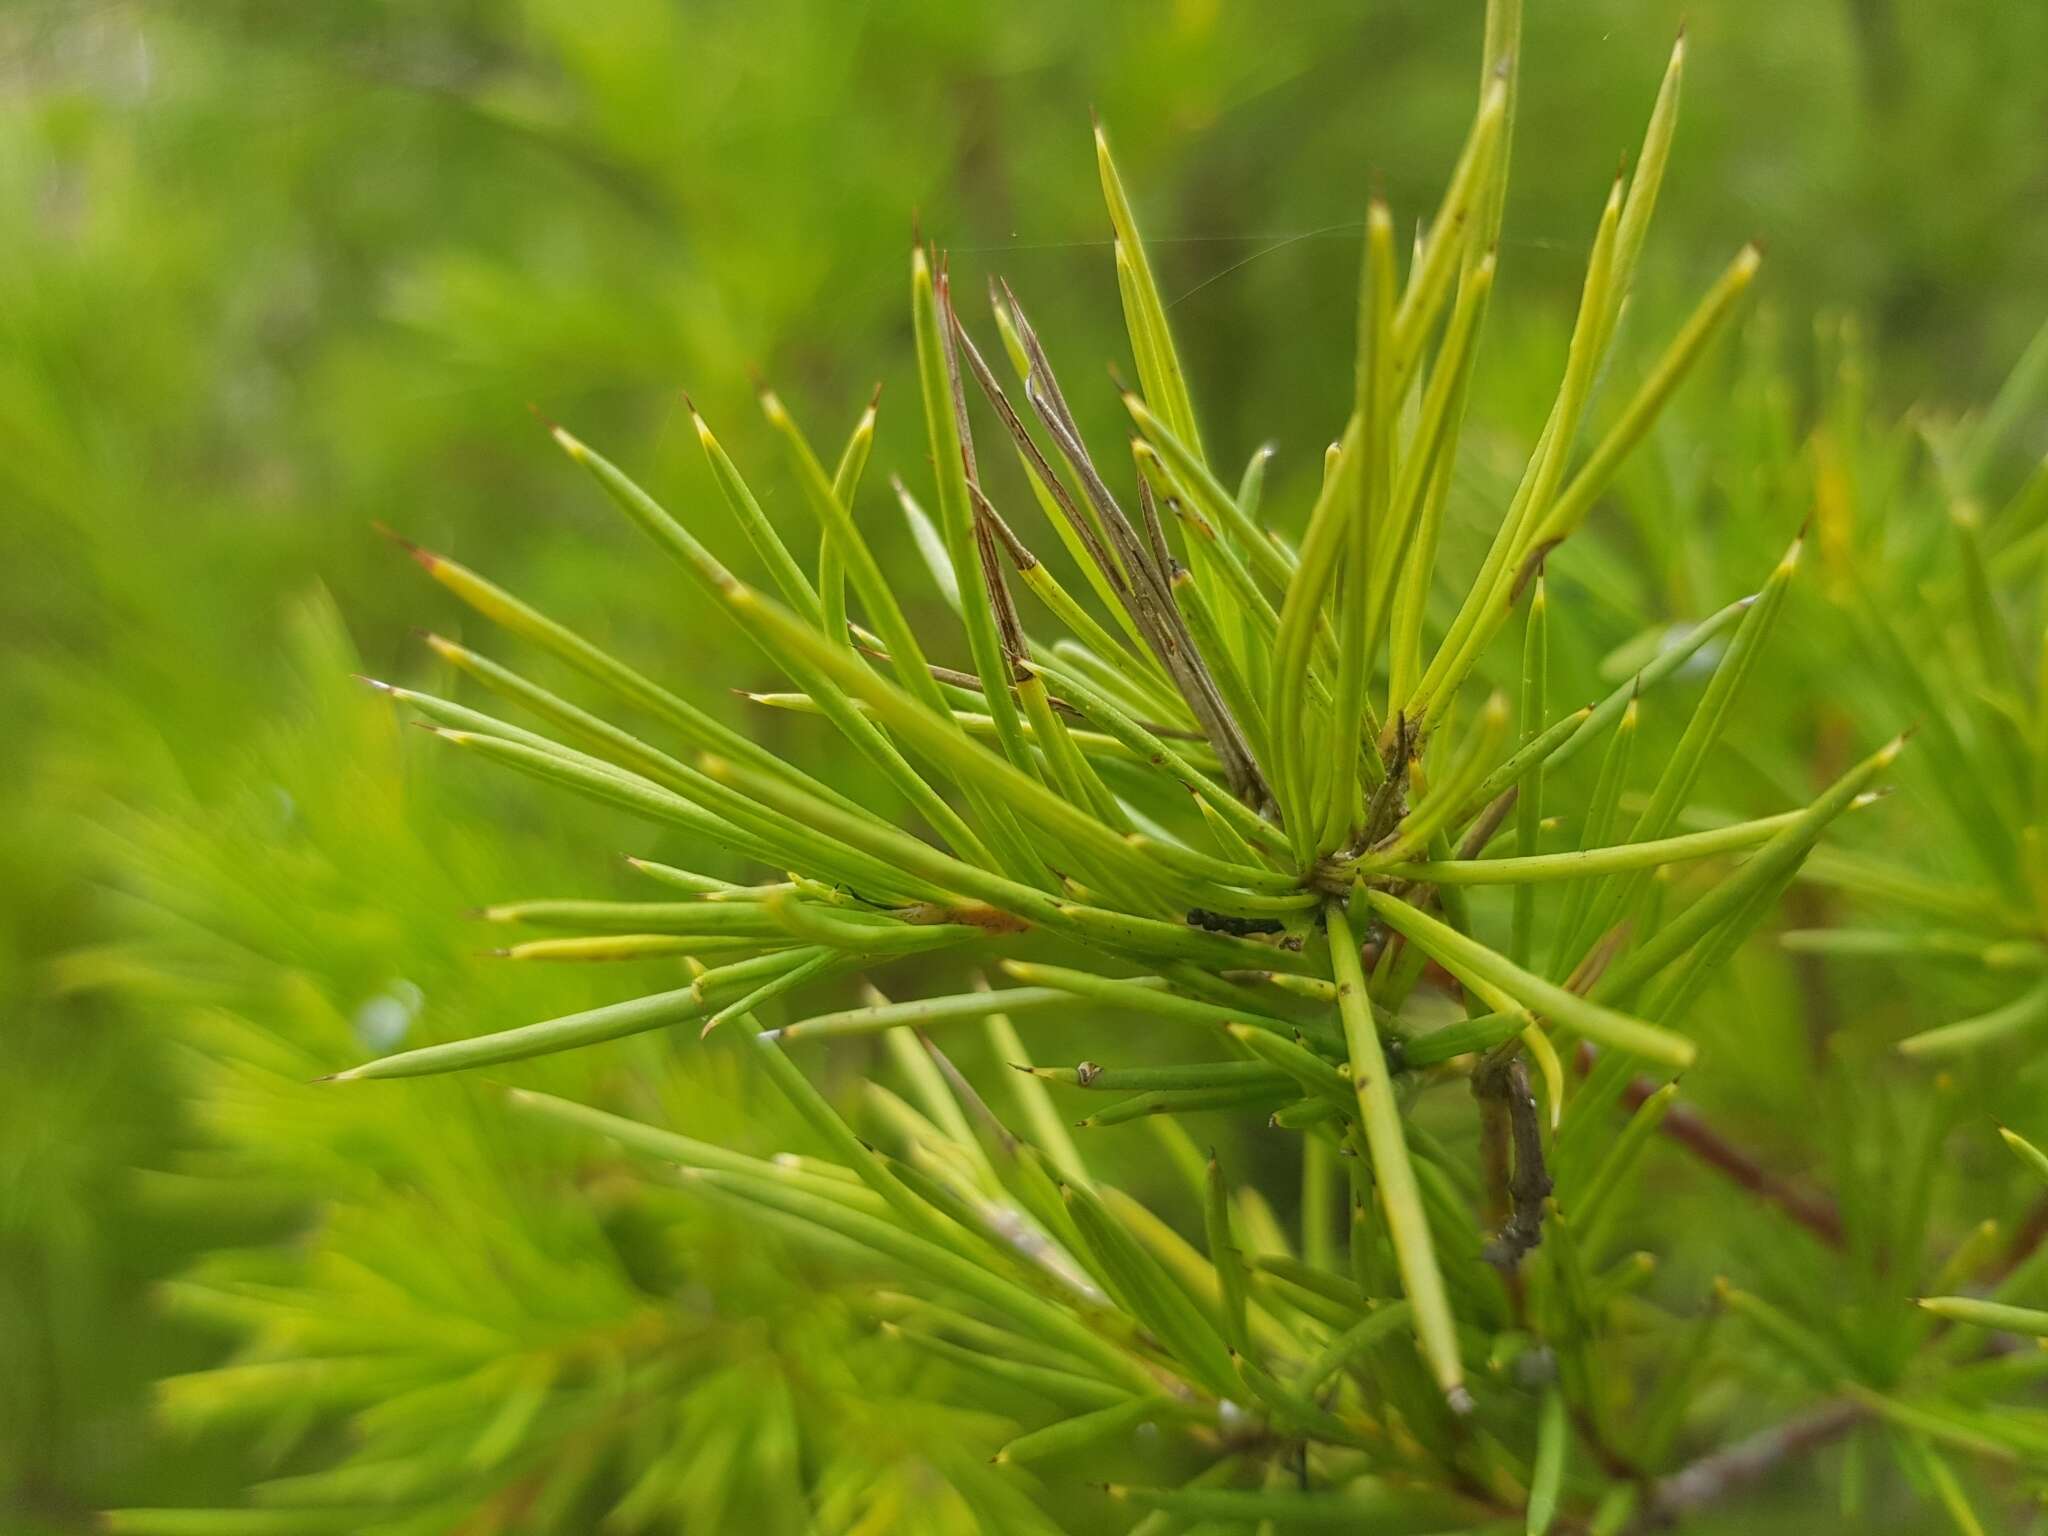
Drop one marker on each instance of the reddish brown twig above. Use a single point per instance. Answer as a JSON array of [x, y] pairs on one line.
[[1691, 1130], [1733, 1468], [2026, 1237]]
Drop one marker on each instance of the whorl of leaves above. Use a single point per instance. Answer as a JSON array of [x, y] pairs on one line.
[[1246, 789]]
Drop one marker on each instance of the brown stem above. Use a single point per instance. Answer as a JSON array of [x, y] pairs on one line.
[[1691, 1130], [1155, 531], [1009, 628], [1736, 1467], [1147, 596], [1495, 1158], [1035, 459], [1508, 1112], [1388, 803], [2026, 1237]]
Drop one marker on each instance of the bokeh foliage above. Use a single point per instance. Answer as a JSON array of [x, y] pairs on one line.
[[278, 273]]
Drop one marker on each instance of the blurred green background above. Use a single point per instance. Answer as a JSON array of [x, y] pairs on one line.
[[271, 273]]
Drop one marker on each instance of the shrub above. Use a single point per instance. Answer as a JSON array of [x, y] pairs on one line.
[[1257, 790]]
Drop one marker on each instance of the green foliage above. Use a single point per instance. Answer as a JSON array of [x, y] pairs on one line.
[[511, 1331], [1280, 873], [343, 246]]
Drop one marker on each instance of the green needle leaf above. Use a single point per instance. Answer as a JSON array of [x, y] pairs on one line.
[[1086, 1429], [1477, 965], [1159, 368], [1988, 1314], [2026, 1152], [2026, 1012], [1380, 1114], [1227, 1257], [1553, 1438]]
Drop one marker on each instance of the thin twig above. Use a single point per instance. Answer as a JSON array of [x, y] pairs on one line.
[[1147, 597], [1735, 1468], [1002, 604], [1691, 1130], [2026, 1237], [1155, 531], [1509, 1117], [1027, 445], [1687, 1127]]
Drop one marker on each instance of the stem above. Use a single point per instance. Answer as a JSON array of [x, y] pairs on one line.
[[1690, 1129], [1508, 1112], [1686, 1126], [1736, 1467]]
